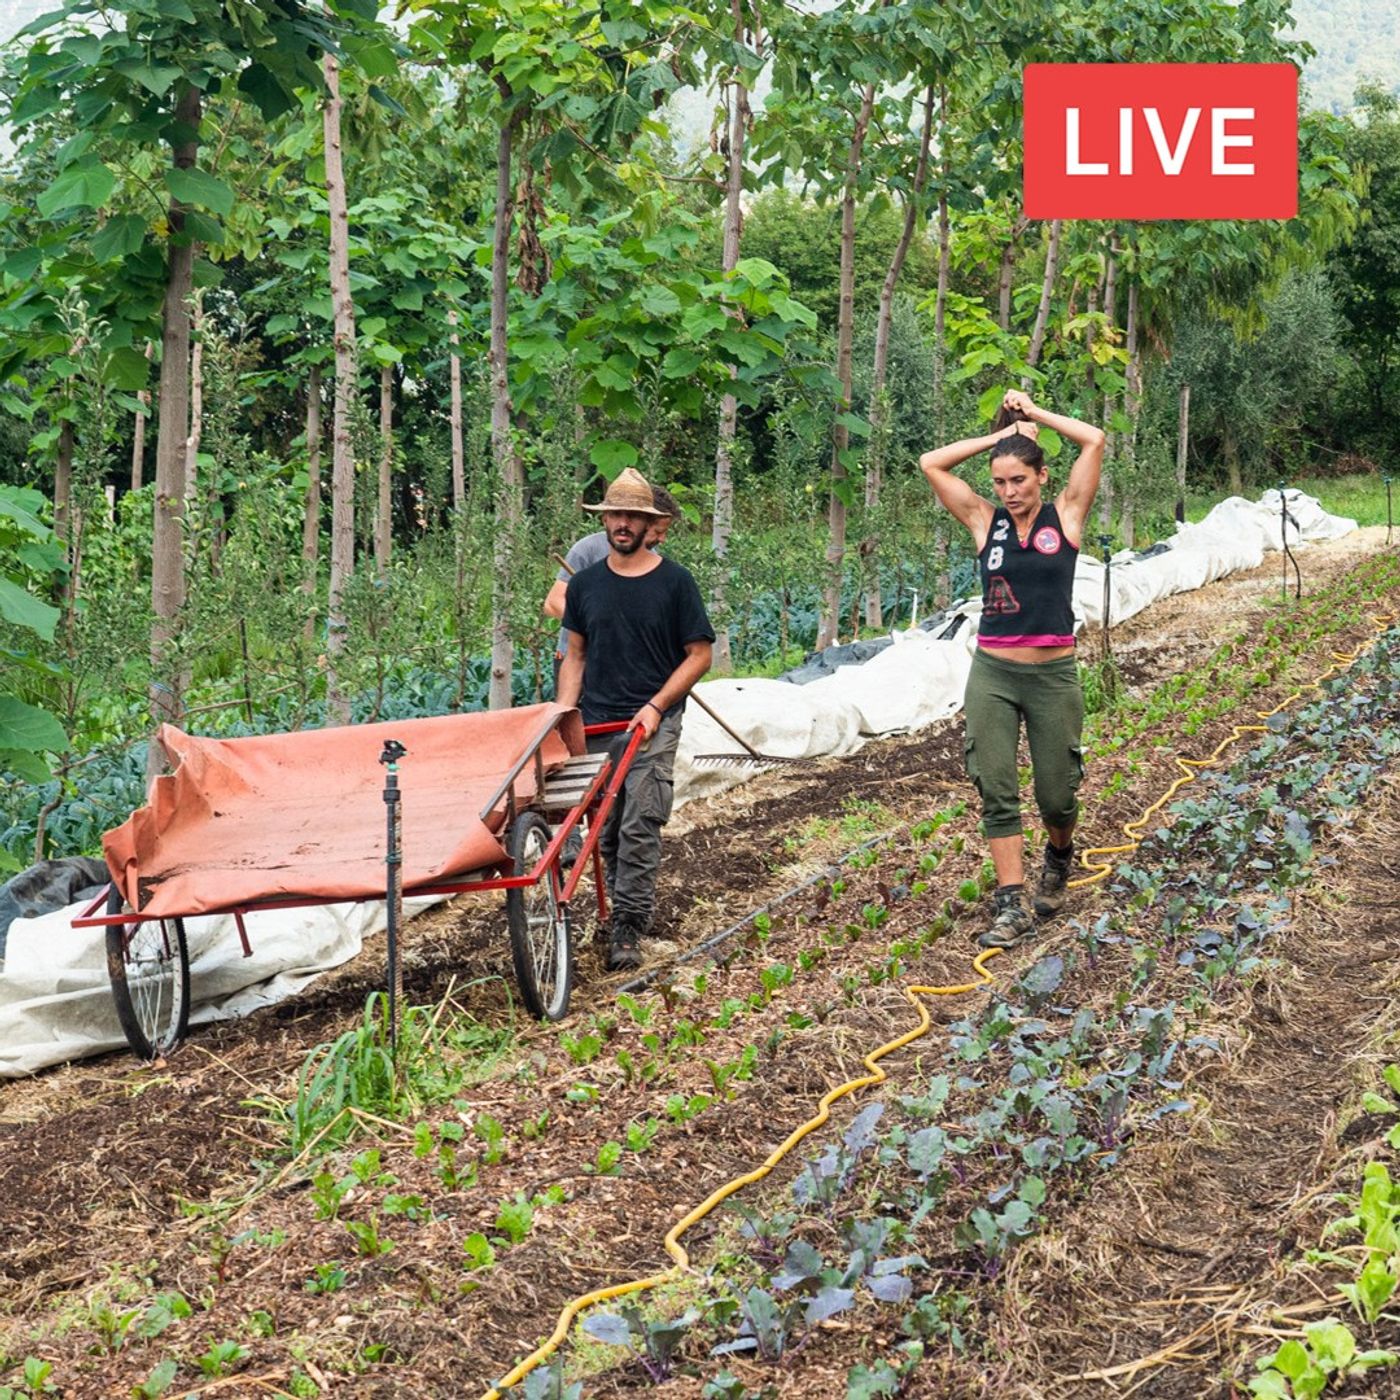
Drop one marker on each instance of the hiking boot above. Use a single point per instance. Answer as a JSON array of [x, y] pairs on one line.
[[1051, 890], [571, 849], [624, 945], [1014, 922]]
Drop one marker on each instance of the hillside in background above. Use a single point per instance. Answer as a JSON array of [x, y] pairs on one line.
[[1355, 40]]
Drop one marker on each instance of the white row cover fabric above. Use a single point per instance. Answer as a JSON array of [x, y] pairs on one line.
[[55, 1000], [920, 679]]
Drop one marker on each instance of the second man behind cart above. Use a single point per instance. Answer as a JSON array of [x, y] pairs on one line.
[[638, 640]]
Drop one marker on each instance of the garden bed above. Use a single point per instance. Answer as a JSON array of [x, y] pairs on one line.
[[155, 1216]]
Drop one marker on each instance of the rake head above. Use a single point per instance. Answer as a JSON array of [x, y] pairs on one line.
[[747, 760]]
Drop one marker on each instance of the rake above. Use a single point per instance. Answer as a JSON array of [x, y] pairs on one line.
[[750, 758]]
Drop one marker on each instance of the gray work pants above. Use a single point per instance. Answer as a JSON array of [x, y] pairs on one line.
[[631, 841]]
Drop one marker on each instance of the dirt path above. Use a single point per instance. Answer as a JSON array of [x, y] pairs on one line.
[[98, 1161]]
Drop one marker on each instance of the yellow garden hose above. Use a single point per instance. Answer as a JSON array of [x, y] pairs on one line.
[[672, 1242], [876, 1075]]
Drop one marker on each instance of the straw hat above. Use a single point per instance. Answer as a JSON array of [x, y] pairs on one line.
[[628, 491]]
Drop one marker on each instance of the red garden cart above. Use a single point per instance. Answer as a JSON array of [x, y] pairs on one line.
[[281, 821]]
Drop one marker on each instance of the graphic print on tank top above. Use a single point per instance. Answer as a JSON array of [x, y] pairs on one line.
[[1026, 588], [999, 599]]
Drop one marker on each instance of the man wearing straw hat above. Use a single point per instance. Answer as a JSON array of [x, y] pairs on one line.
[[592, 548], [638, 640]]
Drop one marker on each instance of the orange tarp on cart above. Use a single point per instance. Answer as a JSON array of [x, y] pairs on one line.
[[287, 816]]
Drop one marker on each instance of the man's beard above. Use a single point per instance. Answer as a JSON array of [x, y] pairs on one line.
[[629, 546]]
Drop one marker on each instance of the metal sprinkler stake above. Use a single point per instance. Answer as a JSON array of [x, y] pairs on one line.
[[393, 887], [1283, 540], [1106, 544], [1389, 522]]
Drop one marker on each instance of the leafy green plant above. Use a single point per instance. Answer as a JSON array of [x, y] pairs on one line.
[[605, 1164], [326, 1278], [160, 1380], [680, 1109], [368, 1241], [640, 1136], [479, 1252], [362, 1069], [515, 1218], [1302, 1370], [655, 1344], [583, 1048], [163, 1311], [221, 1358]]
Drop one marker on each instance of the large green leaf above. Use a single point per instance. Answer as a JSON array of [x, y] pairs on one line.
[[29, 766], [127, 369], [265, 88], [120, 235], [25, 610], [611, 455], [86, 185], [25, 727], [196, 186]]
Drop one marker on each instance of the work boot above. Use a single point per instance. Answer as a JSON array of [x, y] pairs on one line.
[[1051, 890], [624, 944], [1014, 922]]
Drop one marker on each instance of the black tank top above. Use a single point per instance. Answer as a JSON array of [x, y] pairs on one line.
[[1026, 588]]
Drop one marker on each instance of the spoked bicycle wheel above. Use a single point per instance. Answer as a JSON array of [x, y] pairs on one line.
[[540, 945], [149, 965]]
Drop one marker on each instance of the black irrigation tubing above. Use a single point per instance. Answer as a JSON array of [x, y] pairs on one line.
[[638, 984]]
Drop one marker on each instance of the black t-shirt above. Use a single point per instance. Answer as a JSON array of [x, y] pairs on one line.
[[635, 631]]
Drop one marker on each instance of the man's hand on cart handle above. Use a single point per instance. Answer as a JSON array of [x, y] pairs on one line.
[[647, 719]]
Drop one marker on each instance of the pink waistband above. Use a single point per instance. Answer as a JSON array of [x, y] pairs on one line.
[[1030, 639]]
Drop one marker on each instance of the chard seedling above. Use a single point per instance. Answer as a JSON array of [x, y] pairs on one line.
[[640, 1136], [478, 1251], [515, 1218], [368, 1240], [605, 1164], [489, 1130], [326, 1278]]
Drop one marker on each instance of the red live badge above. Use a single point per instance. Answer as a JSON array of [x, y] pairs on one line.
[[1161, 140]]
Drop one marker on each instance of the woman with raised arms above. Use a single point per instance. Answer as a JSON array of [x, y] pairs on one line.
[[1024, 668]]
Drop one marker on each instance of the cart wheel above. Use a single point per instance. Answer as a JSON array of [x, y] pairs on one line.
[[539, 925], [149, 964]]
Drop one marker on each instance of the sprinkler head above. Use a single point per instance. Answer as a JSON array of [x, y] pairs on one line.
[[393, 751]]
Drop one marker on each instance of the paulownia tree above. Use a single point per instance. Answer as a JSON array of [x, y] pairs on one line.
[[141, 75]]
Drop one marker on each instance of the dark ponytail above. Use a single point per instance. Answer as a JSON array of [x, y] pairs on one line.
[[1017, 445]]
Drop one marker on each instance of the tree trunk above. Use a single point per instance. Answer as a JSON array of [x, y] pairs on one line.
[[1007, 270], [138, 433], [1183, 428], [830, 621], [196, 403], [459, 475], [384, 515], [63, 486], [1047, 288], [311, 519], [509, 473], [1110, 455], [945, 257], [194, 519], [723, 523], [879, 406], [342, 447], [1132, 404], [172, 428]]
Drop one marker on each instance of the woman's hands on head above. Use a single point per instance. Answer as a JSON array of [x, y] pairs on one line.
[[1024, 426], [1019, 402]]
